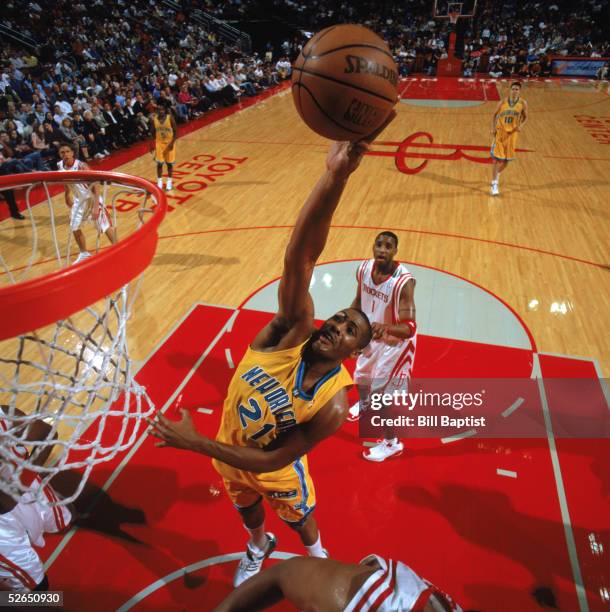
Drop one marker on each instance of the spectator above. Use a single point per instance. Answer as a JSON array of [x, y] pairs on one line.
[[284, 68], [78, 142], [94, 135]]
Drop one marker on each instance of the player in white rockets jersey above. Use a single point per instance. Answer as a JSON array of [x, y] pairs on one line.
[[311, 583], [24, 523], [84, 201], [386, 295]]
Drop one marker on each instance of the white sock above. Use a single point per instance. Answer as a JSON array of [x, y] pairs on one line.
[[258, 538], [316, 550], [495, 181]]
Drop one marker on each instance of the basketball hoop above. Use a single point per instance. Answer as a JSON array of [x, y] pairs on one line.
[[64, 355], [453, 16]]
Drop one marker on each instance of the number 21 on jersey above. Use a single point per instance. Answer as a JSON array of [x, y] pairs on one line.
[[253, 414]]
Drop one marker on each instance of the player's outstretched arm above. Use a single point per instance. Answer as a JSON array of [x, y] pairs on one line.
[[281, 452], [294, 320]]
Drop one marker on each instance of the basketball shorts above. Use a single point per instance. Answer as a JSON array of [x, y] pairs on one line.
[[81, 212], [504, 145], [289, 491], [385, 368], [22, 528], [163, 156]]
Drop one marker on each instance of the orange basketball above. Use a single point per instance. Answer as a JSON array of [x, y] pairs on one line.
[[344, 82]]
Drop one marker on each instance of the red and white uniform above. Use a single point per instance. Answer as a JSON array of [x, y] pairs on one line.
[[394, 587], [385, 364], [82, 198], [24, 527]]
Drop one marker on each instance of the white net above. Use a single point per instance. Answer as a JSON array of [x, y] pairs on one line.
[[67, 390]]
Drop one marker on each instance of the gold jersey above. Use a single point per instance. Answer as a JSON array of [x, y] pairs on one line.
[[265, 397], [164, 133], [510, 114]]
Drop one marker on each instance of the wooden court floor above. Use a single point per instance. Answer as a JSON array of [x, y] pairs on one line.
[[541, 246]]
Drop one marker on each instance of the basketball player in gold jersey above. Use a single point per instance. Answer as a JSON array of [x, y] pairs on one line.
[[290, 390], [510, 117], [165, 133]]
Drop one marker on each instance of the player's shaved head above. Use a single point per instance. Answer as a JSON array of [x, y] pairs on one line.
[[389, 234]]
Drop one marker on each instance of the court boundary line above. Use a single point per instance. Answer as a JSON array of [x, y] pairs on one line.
[[596, 366], [397, 229], [562, 498], [406, 230], [533, 347], [129, 455], [187, 569]]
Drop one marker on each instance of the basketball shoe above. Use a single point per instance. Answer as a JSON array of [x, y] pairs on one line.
[[495, 188], [384, 449], [82, 256], [252, 561]]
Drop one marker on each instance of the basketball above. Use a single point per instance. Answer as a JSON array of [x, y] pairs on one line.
[[344, 82]]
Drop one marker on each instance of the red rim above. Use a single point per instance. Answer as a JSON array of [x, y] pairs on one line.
[[35, 303]]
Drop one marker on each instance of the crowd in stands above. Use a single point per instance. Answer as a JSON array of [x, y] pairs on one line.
[[505, 37], [102, 66], [101, 69]]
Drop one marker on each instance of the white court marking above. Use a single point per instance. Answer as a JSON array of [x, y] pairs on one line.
[[514, 407], [229, 358], [508, 473], [151, 588], [205, 410], [561, 492]]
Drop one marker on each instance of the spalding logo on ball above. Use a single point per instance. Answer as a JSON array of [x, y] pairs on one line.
[[344, 82]]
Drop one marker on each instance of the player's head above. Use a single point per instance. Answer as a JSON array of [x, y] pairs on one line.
[[67, 152], [344, 335], [161, 110], [515, 89], [385, 248]]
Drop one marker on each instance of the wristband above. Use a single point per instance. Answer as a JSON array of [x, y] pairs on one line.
[[411, 324]]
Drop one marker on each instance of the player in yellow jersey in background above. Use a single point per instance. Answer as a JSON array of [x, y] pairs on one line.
[[165, 132], [290, 390], [510, 117]]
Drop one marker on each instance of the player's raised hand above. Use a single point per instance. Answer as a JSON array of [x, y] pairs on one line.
[[344, 157], [179, 434]]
